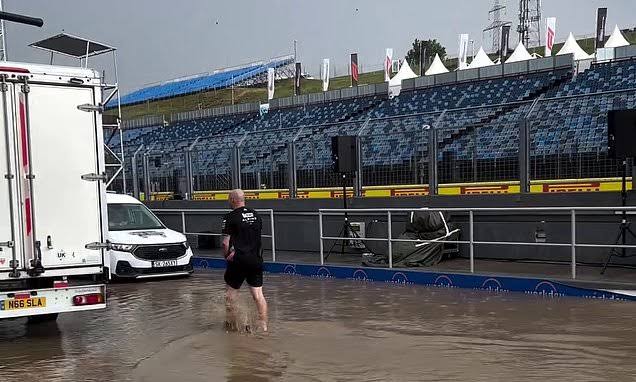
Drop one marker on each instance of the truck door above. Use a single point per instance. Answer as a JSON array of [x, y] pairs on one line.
[[64, 151], [10, 245]]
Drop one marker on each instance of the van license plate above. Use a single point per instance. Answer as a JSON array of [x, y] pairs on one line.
[[164, 263], [25, 303]]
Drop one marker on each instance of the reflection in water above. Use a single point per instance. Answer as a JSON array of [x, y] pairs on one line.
[[326, 330]]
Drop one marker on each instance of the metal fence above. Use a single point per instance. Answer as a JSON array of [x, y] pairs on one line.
[[573, 244], [314, 165], [264, 165], [574, 153], [398, 158], [548, 138]]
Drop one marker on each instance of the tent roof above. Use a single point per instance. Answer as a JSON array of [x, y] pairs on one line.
[[436, 67], [616, 39], [73, 46], [480, 60], [573, 47], [404, 73], [520, 54]]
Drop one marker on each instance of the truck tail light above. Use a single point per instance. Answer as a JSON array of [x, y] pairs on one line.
[[88, 299]]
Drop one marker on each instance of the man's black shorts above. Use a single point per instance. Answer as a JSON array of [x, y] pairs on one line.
[[236, 273]]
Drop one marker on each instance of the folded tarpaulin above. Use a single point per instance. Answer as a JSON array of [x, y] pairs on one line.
[[422, 225]]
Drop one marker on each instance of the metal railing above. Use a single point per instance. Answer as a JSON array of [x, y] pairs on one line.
[[471, 242], [184, 212]]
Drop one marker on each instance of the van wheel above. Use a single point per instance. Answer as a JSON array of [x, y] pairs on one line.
[[42, 318]]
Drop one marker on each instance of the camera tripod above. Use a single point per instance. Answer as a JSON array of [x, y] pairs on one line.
[[624, 228], [347, 231]]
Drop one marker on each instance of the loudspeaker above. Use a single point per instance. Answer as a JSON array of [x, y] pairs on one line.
[[343, 154], [621, 133]]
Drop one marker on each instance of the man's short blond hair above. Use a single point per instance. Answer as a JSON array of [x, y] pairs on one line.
[[237, 196]]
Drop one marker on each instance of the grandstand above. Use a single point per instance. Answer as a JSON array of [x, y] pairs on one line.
[[476, 120], [252, 73]]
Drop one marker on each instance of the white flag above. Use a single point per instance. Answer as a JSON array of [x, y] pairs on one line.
[[325, 74], [388, 63], [270, 83], [550, 33], [463, 51]]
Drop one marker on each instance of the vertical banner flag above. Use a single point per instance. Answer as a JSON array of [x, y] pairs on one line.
[[325, 74], [550, 33], [297, 79], [388, 62], [270, 83], [601, 19], [354, 69], [463, 51], [422, 58], [505, 43]]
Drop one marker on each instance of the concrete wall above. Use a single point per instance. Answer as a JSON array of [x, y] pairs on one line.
[[297, 222]]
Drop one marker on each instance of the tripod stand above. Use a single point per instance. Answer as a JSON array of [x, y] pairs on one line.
[[347, 230], [624, 228]]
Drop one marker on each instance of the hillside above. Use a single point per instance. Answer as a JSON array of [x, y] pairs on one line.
[[284, 88]]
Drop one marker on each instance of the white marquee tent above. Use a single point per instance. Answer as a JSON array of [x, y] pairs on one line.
[[404, 73], [616, 39], [520, 54], [395, 83], [481, 60], [437, 67], [572, 47]]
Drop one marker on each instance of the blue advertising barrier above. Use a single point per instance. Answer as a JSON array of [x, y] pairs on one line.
[[536, 286]]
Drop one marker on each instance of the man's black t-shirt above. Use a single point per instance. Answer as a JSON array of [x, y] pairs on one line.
[[243, 225]]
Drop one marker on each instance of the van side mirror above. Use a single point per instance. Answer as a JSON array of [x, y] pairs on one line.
[[96, 246]]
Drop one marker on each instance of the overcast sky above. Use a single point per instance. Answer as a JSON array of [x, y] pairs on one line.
[[161, 39]]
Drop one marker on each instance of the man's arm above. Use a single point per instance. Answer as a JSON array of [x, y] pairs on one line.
[[228, 252]]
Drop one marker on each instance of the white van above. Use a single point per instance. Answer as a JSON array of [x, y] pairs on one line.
[[140, 245]]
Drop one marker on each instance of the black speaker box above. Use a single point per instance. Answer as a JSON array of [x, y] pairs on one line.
[[621, 133], [343, 154]]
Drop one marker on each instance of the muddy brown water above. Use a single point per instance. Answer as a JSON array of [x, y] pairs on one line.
[[326, 330]]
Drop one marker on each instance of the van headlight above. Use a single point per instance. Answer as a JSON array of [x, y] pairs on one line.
[[122, 247]]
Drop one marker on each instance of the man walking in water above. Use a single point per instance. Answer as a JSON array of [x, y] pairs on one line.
[[242, 251]]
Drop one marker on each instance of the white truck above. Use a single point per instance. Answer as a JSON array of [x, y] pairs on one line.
[[52, 191]]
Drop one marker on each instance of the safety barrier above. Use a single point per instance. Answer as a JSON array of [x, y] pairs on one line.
[[485, 188], [471, 242]]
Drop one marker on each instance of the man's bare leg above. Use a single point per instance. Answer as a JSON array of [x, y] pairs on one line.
[[261, 305], [231, 301]]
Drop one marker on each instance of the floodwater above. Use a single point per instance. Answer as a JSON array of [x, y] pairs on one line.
[[327, 330]]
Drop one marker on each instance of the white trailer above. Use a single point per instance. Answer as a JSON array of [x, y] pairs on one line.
[[52, 191]]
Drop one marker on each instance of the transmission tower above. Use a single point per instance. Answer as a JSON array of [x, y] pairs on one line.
[[494, 28], [3, 46], [530, 22]]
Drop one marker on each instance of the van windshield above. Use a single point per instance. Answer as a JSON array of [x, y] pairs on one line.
[[128, 217]]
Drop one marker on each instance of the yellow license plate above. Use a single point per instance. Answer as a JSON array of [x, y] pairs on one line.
[[25, 303]]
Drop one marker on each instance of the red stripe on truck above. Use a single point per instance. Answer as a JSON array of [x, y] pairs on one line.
[[25, 164], [23, 133], [27, 210]]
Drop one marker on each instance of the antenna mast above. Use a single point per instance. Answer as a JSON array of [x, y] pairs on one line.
[[529, 22], [494, 28]]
